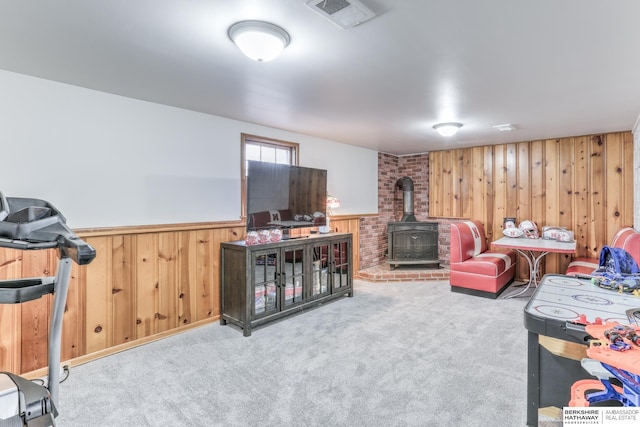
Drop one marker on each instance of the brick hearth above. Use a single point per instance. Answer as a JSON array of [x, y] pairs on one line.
[[383, 273]]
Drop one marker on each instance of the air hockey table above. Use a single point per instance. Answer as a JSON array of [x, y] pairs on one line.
[[557, 340]]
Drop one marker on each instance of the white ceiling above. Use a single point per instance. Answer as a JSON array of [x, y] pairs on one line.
[[552, 68]]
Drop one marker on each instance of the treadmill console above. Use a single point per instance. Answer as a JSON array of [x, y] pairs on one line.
[[36, 224]]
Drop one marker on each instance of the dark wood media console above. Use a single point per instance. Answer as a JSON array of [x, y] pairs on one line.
[[262, 283]]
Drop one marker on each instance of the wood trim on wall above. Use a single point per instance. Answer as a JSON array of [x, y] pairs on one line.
[[140, 229], [583, 183], [145, 282]]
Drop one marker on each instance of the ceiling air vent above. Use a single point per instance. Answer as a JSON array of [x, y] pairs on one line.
[[344, 13]]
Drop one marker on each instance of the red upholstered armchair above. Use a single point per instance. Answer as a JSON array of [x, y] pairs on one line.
[[474, 269], [626, 238]]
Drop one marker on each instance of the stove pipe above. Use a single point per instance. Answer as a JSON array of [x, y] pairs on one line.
[[406, 185]]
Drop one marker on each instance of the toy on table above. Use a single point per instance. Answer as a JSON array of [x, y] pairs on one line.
[[619, 359], [618, 334], [582, 320]]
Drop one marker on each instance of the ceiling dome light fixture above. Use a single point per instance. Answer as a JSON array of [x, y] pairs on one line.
[[259, 40], [447, 129]]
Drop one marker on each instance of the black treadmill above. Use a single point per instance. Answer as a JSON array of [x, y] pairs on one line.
[[34, 224]]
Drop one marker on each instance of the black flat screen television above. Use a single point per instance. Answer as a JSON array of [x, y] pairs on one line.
[[285, 196]]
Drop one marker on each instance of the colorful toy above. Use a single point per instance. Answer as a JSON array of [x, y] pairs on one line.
[[619, 359]]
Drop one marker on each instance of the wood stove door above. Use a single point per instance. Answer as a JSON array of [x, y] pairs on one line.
[[414, 244]]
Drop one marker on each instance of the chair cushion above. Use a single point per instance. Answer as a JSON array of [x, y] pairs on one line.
[[487, 263], [629, 240], [626, 238], [582, 266], [467, 240]]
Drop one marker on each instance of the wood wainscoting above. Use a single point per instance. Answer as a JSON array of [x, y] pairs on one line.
[[145, 283]]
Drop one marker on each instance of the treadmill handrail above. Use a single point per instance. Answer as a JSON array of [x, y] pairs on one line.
[[4, 207], [23, 245]]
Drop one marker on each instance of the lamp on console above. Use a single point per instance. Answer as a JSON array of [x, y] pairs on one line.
[[332, 203]]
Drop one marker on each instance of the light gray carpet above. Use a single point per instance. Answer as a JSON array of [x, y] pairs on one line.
[[397, 354]]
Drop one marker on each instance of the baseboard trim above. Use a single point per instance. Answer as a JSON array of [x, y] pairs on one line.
[[80, 360], [477, 293]]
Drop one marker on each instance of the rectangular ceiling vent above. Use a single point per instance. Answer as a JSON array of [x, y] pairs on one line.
[[343, 13]]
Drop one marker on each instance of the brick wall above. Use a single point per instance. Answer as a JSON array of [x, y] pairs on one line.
[[373, 230], [415, 167], [444, 238]]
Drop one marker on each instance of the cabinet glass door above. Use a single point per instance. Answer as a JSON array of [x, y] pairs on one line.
[[320, 270], [341, 264], [265, 282], [292, 276]]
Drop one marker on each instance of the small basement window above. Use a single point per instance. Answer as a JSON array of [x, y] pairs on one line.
[[263, 149]]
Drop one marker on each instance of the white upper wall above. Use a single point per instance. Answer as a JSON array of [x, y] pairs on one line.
[[106, 160]]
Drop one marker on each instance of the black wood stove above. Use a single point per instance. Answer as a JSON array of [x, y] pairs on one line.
[[412, 242]]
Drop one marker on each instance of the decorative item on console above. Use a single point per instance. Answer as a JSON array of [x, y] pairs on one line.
[[307, 217], [251, 238], [263, 236], [332, 203], [275, 235]]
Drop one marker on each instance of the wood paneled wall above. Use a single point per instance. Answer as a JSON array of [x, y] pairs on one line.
[[144, 282], [584, 183]]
